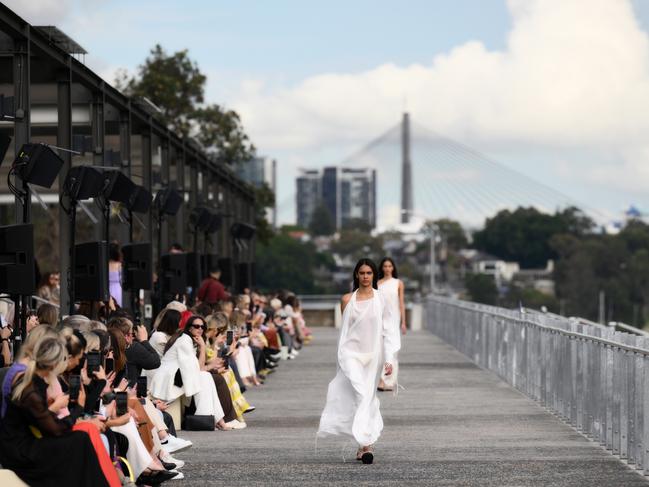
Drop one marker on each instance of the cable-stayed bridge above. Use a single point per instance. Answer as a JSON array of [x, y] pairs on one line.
[[421, 172]]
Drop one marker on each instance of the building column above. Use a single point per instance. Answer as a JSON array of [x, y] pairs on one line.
[[64, 140]]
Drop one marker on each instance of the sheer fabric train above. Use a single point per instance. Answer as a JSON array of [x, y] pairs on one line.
[[367, 340]]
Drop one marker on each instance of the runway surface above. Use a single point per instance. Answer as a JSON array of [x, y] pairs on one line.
[[453, 425]]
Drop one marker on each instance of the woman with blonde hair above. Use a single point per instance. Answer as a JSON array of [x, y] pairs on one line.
[[40, 448]]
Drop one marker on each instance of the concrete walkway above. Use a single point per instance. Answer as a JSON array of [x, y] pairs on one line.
[[455, 424]]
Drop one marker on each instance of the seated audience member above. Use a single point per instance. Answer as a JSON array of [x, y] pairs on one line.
[[217, 326], [139, 352], [243, 355], [40, 448], [47, 314], [180, 373], [168, 322]]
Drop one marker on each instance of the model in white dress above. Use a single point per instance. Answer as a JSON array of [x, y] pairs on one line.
[[389, 289], [367, 342]]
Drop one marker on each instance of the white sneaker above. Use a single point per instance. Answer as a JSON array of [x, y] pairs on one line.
[[236, 424], [295, 352], [292, 355], [180, 475], [174, 444], [165, 456], [284, 352]]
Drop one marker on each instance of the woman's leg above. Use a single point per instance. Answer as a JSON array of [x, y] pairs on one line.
[[207, 400], [225, 399]]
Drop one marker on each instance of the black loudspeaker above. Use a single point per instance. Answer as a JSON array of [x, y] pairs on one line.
[[118, 187], [226, 271], [167, 201], [84, 182], [17, 259], [136, 266], [242, 231], [91, 271], [140, 200], [200, 218], [5, 142], [194, 274], [38, 164], [174, 273], [243, 275]]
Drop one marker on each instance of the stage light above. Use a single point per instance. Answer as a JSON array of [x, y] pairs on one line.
[[119, 187], [84, 182]]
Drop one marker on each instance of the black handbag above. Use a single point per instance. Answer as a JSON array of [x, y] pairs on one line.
[[196, 422]]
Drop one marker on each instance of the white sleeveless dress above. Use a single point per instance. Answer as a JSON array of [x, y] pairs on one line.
[[366, 342], [390, 291]]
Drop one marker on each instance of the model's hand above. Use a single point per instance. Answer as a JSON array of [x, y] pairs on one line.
[[388, 368], [404, 328]]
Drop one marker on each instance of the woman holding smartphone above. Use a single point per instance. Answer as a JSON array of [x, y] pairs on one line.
[[367, 346]]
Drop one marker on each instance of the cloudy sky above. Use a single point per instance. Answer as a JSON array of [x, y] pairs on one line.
[[556, 89]]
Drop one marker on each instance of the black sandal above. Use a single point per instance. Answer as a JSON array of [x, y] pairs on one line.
[[367, 458]]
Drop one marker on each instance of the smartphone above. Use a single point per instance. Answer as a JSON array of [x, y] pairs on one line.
[[223, 353], [229, 338], [121, 401], [141, 388], [75, 387], [93, 359], [109, 365]]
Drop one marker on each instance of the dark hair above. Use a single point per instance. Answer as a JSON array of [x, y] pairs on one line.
[[176, 246], [114, 252], [395, 274], [214, 269], [122, 324], [118, 346], [202, 309], [291, 300], [375, 275], [186, 331], [47, 314], [169, 322]]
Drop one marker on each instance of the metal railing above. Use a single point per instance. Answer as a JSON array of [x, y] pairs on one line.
[[593, 377]]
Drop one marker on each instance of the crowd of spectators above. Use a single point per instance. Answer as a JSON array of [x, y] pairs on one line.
[[97, 398]]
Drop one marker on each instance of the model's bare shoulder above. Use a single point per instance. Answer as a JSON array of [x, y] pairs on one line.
[[344, 300]]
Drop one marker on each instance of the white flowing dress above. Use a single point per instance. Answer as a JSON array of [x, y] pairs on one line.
[[390, 291], [366, 342]]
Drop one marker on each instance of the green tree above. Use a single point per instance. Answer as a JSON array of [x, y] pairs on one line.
[[524, 235], [175, 84], [358, 244], [322, 223], [286, 263], [452, 233], [481, 288]]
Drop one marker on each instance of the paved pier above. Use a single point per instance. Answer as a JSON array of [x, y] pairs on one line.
[[454, 425]]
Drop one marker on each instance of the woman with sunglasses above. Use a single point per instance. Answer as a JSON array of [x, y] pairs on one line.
[[180, 372]]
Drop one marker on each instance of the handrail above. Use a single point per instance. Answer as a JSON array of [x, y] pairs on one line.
[[592, 376]]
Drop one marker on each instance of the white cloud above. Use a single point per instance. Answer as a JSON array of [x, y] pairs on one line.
[[574, 75], [41, 12]]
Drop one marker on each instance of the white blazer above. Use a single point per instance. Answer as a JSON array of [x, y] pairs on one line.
[[181, 355]]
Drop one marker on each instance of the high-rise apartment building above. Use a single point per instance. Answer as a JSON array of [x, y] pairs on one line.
[[348, 193], [257, 171]]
